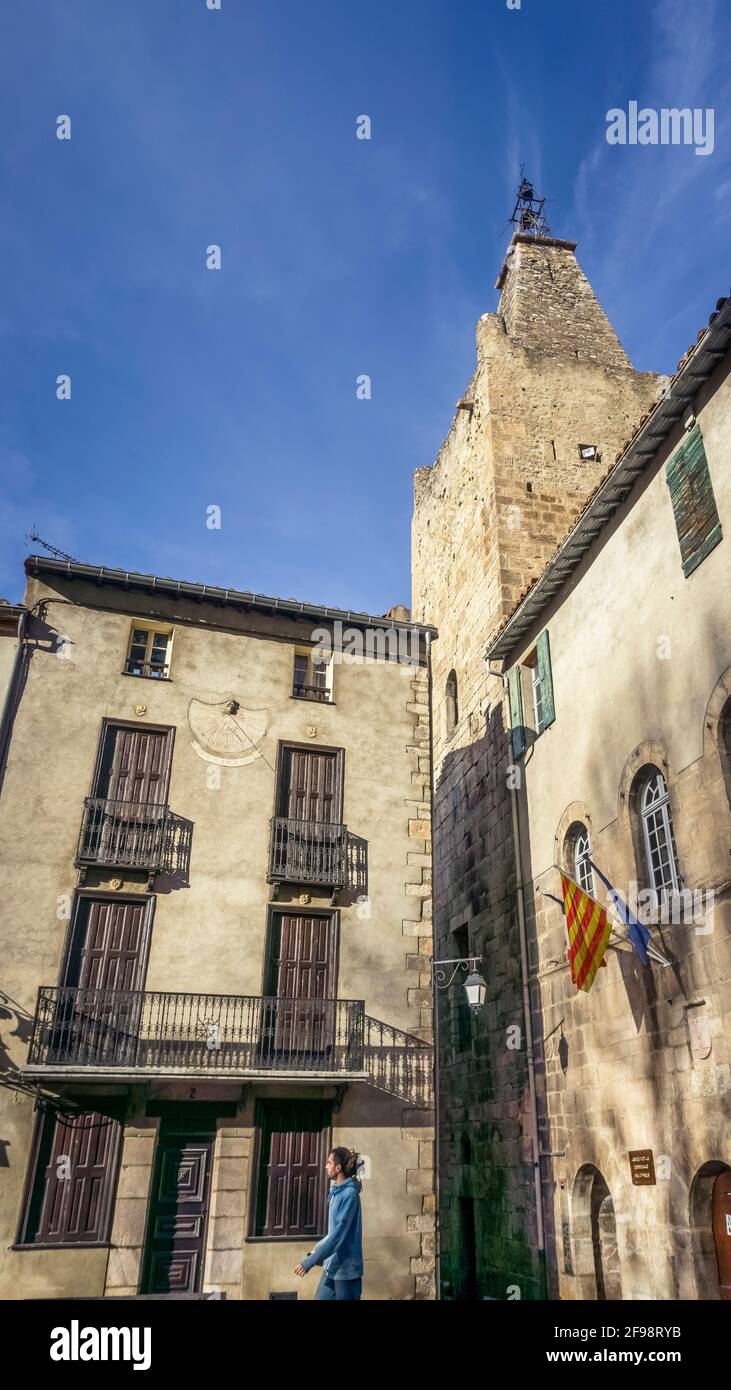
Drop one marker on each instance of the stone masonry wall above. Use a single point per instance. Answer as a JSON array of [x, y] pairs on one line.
[[417, 931], [548, 304], [500, 498]]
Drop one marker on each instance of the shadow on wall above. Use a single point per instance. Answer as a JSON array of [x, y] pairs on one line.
[[175, 872], [489, 1231], [40, 637], [14, 1023]]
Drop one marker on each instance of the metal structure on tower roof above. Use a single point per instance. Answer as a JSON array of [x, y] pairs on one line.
[[528, 215]]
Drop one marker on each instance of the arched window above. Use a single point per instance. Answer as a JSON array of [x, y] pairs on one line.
[[657, 833], [577, 853], [452, 703]]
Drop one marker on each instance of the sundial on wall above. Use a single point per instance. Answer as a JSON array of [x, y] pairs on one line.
[[226, 733]]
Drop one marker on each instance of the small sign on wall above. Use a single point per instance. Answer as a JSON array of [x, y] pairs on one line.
[[642, 1167]]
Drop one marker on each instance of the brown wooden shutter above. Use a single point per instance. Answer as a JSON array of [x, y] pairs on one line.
[[76, 1209], [108, 950], [293, 1136], [304, 953], [694, 504], [309, 787], [135, 765]]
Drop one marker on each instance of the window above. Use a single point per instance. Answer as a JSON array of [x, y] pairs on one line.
[[577, 855], [452, 703], [289, 1191], [148, 653], [659, 839], [694, 504], [589, 453], [312, 678], [537, 666], [72, 1178], [535, 675], [517, 726]]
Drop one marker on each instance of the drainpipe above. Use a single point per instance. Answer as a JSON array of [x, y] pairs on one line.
[[520, 897], [6, 717], [435, 994]]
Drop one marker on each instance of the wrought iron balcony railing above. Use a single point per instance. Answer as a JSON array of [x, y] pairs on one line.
[[311, 692], [132, 834], [225, 1034], [399, 1062], [130, 1029], [153, 670], [302, 851]]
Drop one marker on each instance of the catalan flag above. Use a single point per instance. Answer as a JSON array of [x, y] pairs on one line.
[[589, 930]]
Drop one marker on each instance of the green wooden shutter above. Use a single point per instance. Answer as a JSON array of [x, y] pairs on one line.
[[694, 505], [516, 712], [543, 655]]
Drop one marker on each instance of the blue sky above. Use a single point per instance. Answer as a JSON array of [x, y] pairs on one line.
[[237, 388]]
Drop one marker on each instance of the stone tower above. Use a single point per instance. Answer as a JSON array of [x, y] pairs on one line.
[[553, 398]]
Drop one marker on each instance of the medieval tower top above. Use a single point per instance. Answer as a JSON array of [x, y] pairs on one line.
[[546, 302], [553, 398]]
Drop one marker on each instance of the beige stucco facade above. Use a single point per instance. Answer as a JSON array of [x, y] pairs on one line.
[[209, 928], [641, 671]]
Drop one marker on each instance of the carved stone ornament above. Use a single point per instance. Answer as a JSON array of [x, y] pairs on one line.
[[140, 710], [701, 1041], [225, 733], [115, 883], [312, 731]]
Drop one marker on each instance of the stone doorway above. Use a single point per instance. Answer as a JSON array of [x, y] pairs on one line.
[[598, 1274], [706, 1256]]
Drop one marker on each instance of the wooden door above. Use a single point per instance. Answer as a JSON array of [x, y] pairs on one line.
[[99, 1022], [176, 1236], [108, 945], [310, 785], [310, 800], [721, 1223], [132, 782], [79, 1178], [293, 1141], [303, 968], [134, 765]]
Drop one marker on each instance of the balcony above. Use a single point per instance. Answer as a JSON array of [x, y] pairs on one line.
[[132, 835], [151, 670], [321, 693], [302, 851], [223, 1033], [85, 1034]]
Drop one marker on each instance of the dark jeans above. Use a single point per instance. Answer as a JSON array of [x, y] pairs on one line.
[[341, 1289]]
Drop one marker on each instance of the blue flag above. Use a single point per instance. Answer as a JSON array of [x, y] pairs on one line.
[[636, 933]]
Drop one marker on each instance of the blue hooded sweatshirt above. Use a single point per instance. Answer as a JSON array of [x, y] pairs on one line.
[[340, 1252]]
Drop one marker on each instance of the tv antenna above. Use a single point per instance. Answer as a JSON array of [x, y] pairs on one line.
[[528, 215], [52, 549]]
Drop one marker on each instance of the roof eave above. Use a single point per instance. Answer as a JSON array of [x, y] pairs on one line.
[[618, 483], [40, 565]]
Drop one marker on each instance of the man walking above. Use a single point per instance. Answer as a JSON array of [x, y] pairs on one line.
[[340, 1252]]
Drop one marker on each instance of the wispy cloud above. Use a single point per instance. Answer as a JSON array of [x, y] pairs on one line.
[[630, 202]]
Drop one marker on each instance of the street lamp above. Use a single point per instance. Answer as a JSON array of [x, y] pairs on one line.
[[475, 989], [474, 986]]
